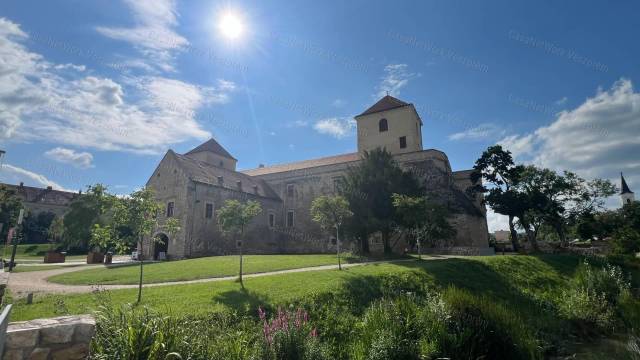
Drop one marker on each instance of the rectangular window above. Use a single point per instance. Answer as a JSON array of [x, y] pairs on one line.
[[170, 209], [337, 184], [272, 220], [208, 211], [403, 142], [290, 190], [290, 218]]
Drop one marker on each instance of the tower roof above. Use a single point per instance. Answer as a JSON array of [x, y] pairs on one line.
[[624, 186], [386, 103], [212, 146]]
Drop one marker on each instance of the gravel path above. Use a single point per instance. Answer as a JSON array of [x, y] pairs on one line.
[[22, 283]]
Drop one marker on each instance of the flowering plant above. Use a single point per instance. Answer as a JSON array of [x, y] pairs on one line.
[[288, 335]]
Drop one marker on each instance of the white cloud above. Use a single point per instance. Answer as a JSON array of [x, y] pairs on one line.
[[562, 101], [338, 103], [154, 33], [480, 132], [41, 103], [336, 127], [82, 160], [396, 77], [496, 221], [14, 175], [599, 138]]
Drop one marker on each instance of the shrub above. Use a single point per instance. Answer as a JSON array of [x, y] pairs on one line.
[[479, 328], [593, 297], [289, 336]]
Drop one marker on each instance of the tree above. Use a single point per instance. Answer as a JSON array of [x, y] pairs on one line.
[[102, 237], [10, 205], [56, 231], [233, 218], [496, 167], [36, 226], [330, 212], [368, 188], [423, 219], [94, 207], [137, 213]]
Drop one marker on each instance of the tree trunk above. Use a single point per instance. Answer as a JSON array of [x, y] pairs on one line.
[[338, 246], [241, 245], [561, 234], [385, 242], [140, 258], [514, 235], [532, 239]]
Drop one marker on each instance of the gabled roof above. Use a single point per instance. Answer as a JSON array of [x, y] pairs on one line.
[[331, 160], [32, 194], [212, 146], [207, 174], [386, 103], [625, 187]]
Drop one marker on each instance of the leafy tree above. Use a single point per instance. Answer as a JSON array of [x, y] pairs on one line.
[[368, 188], [233, 218], [496, 168], [56, 231], [36, 226], [626, 242], [94, 207], [330, 212], [137, 213], [423, 220], [10, 205], [102, 237]]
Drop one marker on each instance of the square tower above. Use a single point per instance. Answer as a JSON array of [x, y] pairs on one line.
[[391, 124]]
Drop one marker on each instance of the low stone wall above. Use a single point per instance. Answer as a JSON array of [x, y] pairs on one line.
[[4, 280], [66, 337], [461, 250]]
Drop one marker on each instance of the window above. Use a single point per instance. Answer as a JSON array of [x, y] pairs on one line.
[[403, 142], [221, 164], [628, 201], [290, 190], [290, 218], [170, 209], [208, 211], [272, 220], [383, 126], [337, 184]]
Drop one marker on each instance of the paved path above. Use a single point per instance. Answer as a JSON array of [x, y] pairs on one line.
[[22, 283]]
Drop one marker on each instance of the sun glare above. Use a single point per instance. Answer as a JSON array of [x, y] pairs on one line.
[[230, 26]]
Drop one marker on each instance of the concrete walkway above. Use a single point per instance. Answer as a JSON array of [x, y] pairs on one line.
[[22, 283]]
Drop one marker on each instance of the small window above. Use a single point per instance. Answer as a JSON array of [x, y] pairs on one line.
[[337, 184], [628, 201], [383, 125], [290, 190], [403, 142], [208, 211], [170, 209], [290, 218], [221, 164], [272, 220]]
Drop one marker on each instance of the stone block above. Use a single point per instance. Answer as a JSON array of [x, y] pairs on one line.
[[75, 352], [39, 354], [84, 332], [16, 354], [58, 334], [23, 338]]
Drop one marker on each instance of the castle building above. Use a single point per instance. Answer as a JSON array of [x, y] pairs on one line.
[[626, 195], [193, 186]]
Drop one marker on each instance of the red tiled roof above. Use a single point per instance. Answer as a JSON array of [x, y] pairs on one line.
[[331, 160]]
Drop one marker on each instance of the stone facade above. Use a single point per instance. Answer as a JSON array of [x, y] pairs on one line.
[[195, 185], [36, 200], [64, 338]]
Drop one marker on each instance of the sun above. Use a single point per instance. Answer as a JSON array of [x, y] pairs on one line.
[[230, 25]]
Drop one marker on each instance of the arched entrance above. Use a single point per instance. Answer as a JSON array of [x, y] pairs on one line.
[[160, 247]]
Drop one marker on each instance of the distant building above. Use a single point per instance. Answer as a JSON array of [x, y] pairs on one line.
[[193, 186], [502, 236], [626, 195], [38, 200]]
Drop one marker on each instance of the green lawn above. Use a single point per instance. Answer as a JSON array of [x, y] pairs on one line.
[[216, 266], [503, 278], [28, 268], [32, 252]]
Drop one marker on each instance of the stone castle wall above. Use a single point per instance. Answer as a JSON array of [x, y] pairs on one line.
[[62, 338]]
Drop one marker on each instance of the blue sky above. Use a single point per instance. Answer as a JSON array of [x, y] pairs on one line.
[[98, 91]]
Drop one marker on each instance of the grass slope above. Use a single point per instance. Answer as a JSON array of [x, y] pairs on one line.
[[504, 279], [32, 252], [216, 266]]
